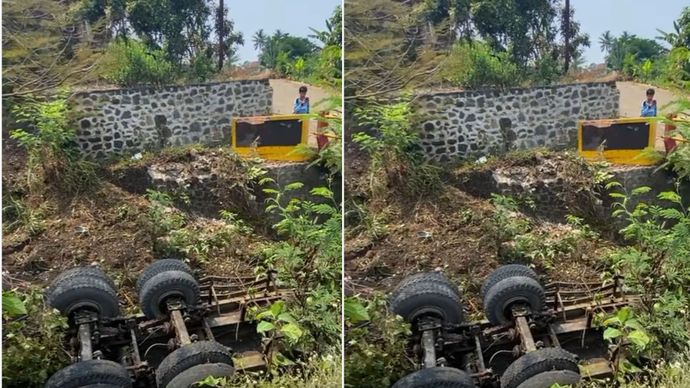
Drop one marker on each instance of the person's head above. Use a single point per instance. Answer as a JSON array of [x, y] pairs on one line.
[[650, 94], [302, 91]]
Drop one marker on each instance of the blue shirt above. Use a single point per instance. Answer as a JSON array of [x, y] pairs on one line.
[[301, 106], [647, 109]]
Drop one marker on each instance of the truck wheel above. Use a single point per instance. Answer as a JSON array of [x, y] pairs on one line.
[[84, 292], [159, 266], [504, 272], [431, 299], [424, 277], [542, 368], [517, 289], [89, 271], [167, 284], [194, 362], [91, 373], [440, 377]]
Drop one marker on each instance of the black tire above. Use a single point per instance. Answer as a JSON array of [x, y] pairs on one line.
[[537, 368], [440, 377], [424, 277], [516, 289], [165, 285], [74, 293], [159, 266], [424, 298], [504, 272], [89, 271], [91, 373], [190, 356]]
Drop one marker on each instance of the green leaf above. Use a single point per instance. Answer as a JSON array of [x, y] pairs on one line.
[[611, 333], [294, 186], [354, 311], [322, 192], [264, 326], [633, 324], [670, 196], [292, 331], [12, 306], [611, 185], [623, 314], [641, 190], [639, 338], [613, 321], [616, 195], [265, 314], [277, 308], [270, 191], [286, 317]]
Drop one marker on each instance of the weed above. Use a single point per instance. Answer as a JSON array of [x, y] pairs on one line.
[[655, 264], [375, 345], [32, 348], [17, 215], [54, 158], [397, 162]]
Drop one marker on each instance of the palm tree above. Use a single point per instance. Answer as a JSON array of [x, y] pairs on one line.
[[259, 39], [606, 41]]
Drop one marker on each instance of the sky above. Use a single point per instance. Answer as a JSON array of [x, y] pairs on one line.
[[638, 17], [291, 16]]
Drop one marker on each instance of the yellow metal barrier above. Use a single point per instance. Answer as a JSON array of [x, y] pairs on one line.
[[618, 141], [271, 137]]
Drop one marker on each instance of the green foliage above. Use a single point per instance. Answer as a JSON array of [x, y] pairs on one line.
[[131, 63], [375, 343], [319, 371], [628, 337], [32, 348], [280, 50], [163, 217], [626, 51], [474, 65], [54, 158], [506, 222], [308, 259], [397, 162], [655, 264], [275, 322]]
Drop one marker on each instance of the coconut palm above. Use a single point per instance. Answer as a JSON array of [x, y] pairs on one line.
[[606, 41]]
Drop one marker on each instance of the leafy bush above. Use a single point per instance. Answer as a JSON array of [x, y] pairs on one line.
[[32, 340], [307, 259], [397, 162], [375, 343], [54, 157], [474, 65], [131, 63], [201, 68], [656, 265]]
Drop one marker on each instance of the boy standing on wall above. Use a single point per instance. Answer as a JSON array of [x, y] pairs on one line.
[[302, 102], [649, 105]]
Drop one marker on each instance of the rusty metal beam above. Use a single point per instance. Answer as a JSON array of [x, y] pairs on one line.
[[525, 334], [180, 328], [85, 348], [429, 349]]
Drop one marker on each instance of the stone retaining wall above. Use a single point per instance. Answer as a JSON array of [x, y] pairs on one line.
[[476, 123], [146, 118]]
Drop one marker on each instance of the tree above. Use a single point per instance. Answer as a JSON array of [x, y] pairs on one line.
[[259, 39], [606, 41], [633, 49], [281, 48]]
